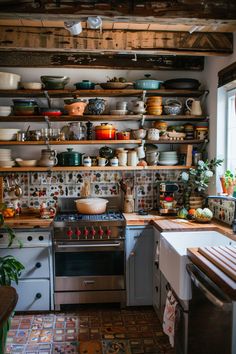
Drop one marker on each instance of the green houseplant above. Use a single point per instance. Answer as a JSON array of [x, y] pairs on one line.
[[196, 180], [10, 271]]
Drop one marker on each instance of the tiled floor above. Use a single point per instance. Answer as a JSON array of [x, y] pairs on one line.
[[89, 330]]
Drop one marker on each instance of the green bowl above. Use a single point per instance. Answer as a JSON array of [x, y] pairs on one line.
[[54, 82]]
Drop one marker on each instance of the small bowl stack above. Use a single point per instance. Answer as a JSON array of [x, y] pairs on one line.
[[25, 107], [7, 134], [168, 158], [5, 111], [189, 131], [5, 158], [154, 105]]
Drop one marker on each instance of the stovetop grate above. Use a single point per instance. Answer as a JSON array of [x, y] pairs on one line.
[[109, 216]]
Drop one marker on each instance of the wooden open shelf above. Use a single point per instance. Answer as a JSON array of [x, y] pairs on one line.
[[102, 142], [107, 117], [71, 142], [100, 93], [93, 168]]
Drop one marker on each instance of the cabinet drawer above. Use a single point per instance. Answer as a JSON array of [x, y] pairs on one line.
[[156, 292], [35, 261], [33, 295]]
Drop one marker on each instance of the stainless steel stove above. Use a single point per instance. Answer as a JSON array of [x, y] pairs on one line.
[[89, 258]]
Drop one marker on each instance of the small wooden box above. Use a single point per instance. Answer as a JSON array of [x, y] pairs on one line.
[[188, 151]]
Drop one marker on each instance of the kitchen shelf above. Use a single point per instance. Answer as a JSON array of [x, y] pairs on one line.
[[163, 141], [101, 93], [107, 117], [93, 168], [70, 142]]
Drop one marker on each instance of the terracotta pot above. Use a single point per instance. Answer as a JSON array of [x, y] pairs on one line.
[[123, 135]]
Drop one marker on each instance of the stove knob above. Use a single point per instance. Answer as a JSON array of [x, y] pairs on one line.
[[86, 232], [100, 232], [92, 232], [108, 232], [77, 233], [69, 233]]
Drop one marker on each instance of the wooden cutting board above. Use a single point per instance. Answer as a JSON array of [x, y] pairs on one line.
[[224, 257], [219, 264]]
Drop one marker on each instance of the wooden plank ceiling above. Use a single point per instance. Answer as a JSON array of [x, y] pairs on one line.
[[179, 27]]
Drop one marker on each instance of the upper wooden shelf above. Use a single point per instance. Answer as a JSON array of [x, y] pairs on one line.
[[107, 117], [94, 142], [93, 168], [100, 93]]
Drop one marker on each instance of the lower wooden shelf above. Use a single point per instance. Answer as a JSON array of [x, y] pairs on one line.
[[93, 168]]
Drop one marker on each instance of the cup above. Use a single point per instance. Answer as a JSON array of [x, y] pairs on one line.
[[114, 162], [122, 105], [102, 161], [73, 27]]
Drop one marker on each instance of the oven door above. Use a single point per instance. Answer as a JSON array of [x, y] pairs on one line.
[[91, 265]]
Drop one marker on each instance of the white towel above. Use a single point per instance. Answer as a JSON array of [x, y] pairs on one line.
[[169, 317]]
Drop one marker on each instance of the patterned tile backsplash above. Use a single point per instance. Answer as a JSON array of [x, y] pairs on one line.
[[48, 187]]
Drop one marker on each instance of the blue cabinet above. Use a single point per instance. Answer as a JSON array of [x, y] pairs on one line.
[[139, 265]]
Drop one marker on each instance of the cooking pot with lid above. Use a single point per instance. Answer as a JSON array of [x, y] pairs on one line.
[[147, 84], [105, 131], [70, 158]]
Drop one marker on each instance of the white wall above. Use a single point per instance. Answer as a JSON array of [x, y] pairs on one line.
[[216, 109]]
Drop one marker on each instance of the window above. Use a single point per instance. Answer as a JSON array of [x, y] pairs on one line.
[[231, 131]]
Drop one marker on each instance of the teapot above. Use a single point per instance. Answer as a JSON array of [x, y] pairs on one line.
[[195, 108], [139, 107], [48, 158]]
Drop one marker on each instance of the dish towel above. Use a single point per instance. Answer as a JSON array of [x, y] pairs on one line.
[[169, 317]]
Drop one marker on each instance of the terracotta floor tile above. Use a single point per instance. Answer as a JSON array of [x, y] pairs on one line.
[[105, 329]]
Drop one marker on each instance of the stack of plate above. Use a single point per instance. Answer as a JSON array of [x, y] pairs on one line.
[[168, 158], [5, 158]]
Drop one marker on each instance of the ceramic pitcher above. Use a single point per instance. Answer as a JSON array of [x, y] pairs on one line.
[[195, 108], [48, 158], [139, 107], [132, 158]]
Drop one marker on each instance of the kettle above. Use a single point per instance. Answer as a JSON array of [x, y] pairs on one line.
[[195, 108]]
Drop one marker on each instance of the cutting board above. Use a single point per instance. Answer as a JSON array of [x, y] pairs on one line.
[[224, 257], [219, 264]]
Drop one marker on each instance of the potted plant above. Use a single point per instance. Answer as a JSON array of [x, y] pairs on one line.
[[10, 271], [196, 182]]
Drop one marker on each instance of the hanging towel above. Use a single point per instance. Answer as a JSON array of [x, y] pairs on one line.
[[169, 317]]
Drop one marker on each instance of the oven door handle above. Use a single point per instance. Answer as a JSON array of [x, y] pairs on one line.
[[89, 245]]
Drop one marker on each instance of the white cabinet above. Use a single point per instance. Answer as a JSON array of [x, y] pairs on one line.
[[156, 272], [35, 287], [139, 265]]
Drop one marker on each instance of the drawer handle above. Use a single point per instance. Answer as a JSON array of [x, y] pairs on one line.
[[38, 296], [132, 254], [38, 265], [156, 288], [89, 282], [156, 264]]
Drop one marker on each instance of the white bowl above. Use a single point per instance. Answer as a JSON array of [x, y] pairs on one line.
[[7, 163], [9, 81], [5, 111], [25, 163], [8, 134], [31, 85], [168, 163], [118, 112]]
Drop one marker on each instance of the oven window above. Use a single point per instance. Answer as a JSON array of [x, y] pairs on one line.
[[89, 263]]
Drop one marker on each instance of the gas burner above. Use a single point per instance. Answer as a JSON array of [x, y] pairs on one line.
[[75, 217]]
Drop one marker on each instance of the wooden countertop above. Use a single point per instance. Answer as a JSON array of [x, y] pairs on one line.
[[28, 221], [134, 219]]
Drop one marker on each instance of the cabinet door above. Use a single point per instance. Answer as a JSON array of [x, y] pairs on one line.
[[164, 291], [139, 271], [35, 261], [33, 295], [156, 272]]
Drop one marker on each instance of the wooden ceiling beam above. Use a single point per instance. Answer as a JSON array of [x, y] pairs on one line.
[[58, 39]]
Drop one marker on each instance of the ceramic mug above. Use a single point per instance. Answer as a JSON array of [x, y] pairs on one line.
[[87, 161], [122, 105], [140, 151], [102, 161], [114, 162]]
